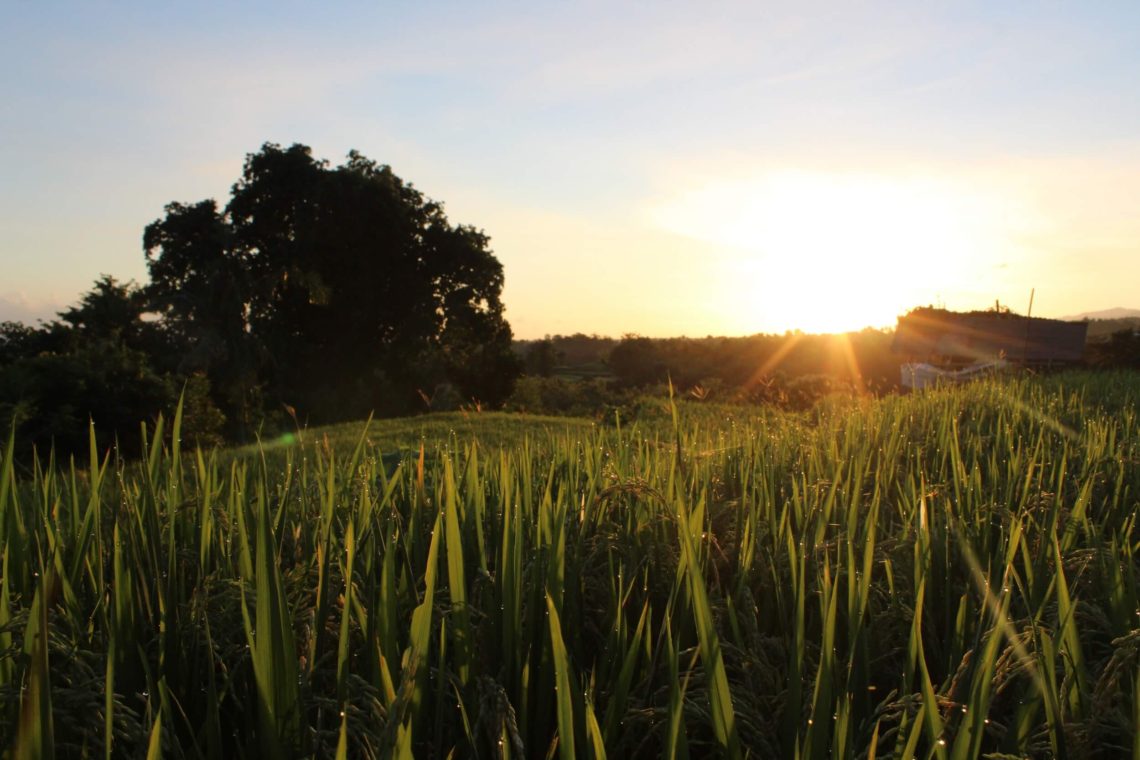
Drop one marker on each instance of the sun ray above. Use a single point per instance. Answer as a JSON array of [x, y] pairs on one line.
[[773, 361], [843, 343]]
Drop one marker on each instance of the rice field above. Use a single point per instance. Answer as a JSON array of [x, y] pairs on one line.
[[945, 575]]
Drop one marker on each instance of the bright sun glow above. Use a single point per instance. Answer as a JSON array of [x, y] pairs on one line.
[[827, 252]]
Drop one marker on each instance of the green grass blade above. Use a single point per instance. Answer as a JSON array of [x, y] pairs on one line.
[[720, 698], [35, 731], [154, 744], [563, 691], [456, 577]]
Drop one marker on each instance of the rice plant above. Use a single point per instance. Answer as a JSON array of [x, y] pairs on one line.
[[950, 575]]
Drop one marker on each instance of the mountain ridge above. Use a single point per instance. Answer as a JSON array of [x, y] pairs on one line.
[[1117, 312]]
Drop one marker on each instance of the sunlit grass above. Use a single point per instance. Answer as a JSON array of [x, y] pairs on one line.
[[940, 575]]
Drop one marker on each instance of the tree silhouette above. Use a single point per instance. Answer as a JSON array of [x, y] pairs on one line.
[[338, 291], [100, 362]]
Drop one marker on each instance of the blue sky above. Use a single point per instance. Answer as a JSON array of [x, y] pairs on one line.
[[619, 155]]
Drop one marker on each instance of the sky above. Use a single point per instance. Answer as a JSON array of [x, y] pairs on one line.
[[660, 168]]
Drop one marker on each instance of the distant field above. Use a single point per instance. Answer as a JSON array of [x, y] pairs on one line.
[[950, 574]]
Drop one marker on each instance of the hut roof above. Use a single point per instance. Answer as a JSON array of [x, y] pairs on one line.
[[988, 335]]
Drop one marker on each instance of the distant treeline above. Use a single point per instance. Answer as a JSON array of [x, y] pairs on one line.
[[104, 360], [863, 357], [592, 374], [579, 373], [1103, 329], [1118, 349]]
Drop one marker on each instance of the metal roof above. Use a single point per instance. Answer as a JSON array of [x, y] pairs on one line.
[[989, 335]]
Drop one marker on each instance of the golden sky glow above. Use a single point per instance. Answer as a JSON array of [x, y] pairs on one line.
[[827, 252], [663, 168]]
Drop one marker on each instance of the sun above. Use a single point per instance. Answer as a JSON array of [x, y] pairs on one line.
[[831, 252]]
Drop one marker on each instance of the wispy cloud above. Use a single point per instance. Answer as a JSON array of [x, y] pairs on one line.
[[19, 307]]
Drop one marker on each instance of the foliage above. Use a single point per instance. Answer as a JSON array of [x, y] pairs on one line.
[[575, 398], [863, 359], [101, 363], [1100, 329], [949, 574], [573, 350], [1120, 350], [540, 358], [336, 291]]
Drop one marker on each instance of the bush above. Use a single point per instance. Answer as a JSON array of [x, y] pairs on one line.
[[557, 396]]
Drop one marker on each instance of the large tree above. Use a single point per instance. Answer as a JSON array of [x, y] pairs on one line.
[[335, 290], [200, 288]]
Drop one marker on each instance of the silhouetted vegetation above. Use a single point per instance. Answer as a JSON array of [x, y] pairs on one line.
[[338, 291], [1121, 350], [322, 294], [1100, 329], [560, 396], [101, 363], [791, 371], [318, 293], [540, 358]]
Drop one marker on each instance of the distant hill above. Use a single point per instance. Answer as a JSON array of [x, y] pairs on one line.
[[1117, 313], [1103, 324]]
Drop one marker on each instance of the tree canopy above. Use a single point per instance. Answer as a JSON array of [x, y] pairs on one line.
[[335, 290]]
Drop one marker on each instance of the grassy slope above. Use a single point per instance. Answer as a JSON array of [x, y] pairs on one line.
[[403, 436]]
